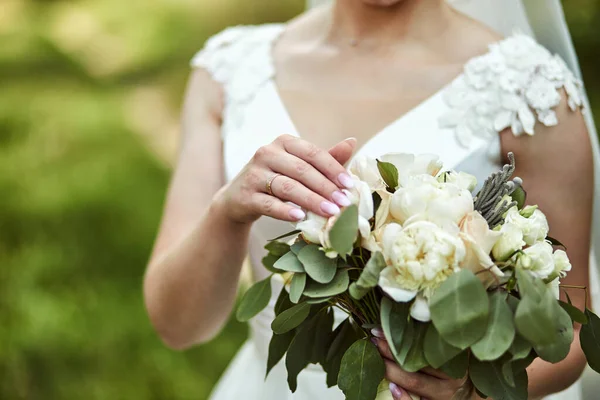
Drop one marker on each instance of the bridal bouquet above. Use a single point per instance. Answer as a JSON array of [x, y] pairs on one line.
[[464, 283]]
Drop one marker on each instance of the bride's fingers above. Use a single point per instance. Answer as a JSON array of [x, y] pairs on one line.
[[434, 372], [343, 151], [417, 383], [264, 204], [384, 348], [288, 189], [399, 393], [301, 171], [318, 158]]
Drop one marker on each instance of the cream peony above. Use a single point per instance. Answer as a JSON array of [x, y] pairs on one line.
[[534, 226], [365, 169], [410, 165], [510, 241], [423, 197], [479, 241], [460, 179], [538, 260], [420, 257]]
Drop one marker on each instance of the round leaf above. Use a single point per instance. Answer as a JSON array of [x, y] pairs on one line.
[[500, 330], [394, 321], [437, 351], [361, 371], [338, 284], [460, 309], [369, 277], [317, 265], [297, 287], [290, 319], [289, 262], [563, 336], [254, 300], [489, 379], [344, 231]]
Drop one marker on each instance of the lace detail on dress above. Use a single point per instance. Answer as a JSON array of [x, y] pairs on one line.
[[239, 58], [516, 82]]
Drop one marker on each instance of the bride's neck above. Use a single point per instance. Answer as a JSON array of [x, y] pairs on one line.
[[356, 22]]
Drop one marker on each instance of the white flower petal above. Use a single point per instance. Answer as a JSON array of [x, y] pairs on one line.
[[389, 285], [420, 309]]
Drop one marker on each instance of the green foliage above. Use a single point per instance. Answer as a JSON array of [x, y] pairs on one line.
[[590, 340], [338, 285], [488, 378], [289, 262], [500, 330], [389, 174], [316, 264], [361, 372], [290, 318], [254, 300], [368, 277], [344, 231], [437, 351], [297, 287], [342, 338], [460, 309]]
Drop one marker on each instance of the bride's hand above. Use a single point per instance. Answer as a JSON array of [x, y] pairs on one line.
[[295, 171], [428, 383]]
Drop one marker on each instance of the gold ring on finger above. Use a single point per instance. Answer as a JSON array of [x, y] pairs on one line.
[[270, 183]]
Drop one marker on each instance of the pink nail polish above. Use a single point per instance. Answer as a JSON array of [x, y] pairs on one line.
[[378, 333], [346, 180], [396, 392], [374, 341], [341, 199], [330, 208], [297, 214]]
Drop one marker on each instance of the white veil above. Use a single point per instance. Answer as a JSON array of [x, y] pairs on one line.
[[544, 20]]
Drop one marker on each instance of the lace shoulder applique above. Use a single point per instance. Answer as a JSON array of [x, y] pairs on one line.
[[515, 83]]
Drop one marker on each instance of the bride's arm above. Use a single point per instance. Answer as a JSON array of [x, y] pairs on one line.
[[556, 165], [193, 232]]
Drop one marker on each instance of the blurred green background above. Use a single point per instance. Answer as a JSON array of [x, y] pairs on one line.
[[90, 93]]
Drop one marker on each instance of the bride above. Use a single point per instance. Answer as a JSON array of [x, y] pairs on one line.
[[461, 79]]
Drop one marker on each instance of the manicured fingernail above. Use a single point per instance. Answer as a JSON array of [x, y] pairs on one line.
[[377, 332], [351, 140], [396, 392], [330, 208], [346, 180], [374, 341], [297, 214], [341, 199]]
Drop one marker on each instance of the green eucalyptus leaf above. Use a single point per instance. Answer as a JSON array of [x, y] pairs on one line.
[[457, 367], [437, 351], [343, 337], [300, 351], [488, 378], [318, 300], [508, 374], [394, 320], [323, 336], [520, 348], [560, 346], [369, 277], [460, 309], [408, 337], [297, 287], [344, 231], [589, 336], [361, 371], [338, 284], [575, 313], [389, 173], [296, 247], [278, 346], [316, 264], [500, 330], [277, 248], [269, 262], [254, 300], [290, 263], [292, 233], [291, 318], [415, 358]]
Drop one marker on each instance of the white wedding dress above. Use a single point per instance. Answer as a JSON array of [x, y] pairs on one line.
[[512, 86]]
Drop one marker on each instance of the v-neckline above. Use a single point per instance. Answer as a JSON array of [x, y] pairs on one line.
[[290, 121]]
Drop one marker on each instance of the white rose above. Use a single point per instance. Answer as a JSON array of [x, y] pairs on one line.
[[460, 179], [535, 227], [410, 164], [430, 200], [365, 169], [562, 264], [510, 241], [479, 240], [537, 259], [420, 257], [313, 228]]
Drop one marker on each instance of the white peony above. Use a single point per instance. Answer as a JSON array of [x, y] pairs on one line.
[[460, 179], [479, 240], [365, 169], [538, 260], [410, 165], [424, 198], [534, 225], [511, 240], [420, 257]]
